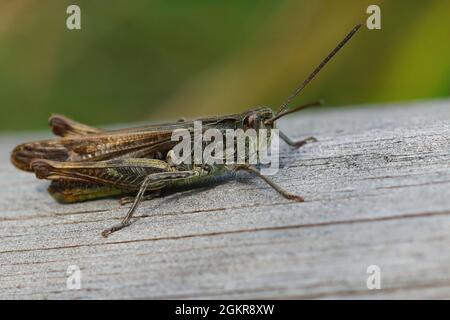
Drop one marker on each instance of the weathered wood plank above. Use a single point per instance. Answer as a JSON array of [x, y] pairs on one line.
[[377, 190]]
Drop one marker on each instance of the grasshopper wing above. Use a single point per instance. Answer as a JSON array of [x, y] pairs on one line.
[[82, 143], [94, 147], [65, 127]]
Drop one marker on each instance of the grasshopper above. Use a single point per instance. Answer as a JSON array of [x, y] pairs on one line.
[[86, 163]]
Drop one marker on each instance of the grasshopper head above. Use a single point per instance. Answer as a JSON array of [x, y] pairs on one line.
[[264, 117], [259, 119]]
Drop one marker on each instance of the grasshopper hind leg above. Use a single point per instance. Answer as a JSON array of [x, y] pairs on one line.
[[129, 199], [126, 221], [65, 191], [162, 179]]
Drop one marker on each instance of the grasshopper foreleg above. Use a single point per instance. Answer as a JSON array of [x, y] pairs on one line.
[[280, 190], [296, 144]]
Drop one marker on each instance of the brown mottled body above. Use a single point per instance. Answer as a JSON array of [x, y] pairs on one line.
[[86, 163]]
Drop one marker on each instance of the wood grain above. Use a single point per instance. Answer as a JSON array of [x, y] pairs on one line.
[[377, 190]]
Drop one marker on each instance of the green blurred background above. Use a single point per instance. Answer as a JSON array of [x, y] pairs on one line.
[[164, 59]]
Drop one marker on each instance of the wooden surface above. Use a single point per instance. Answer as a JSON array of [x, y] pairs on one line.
[[377, 189]]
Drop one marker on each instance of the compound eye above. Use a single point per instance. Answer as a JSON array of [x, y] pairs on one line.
[[251, 121]]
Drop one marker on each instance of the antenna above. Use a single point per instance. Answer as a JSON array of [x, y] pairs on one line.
[[283, 113], [299, 89]]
